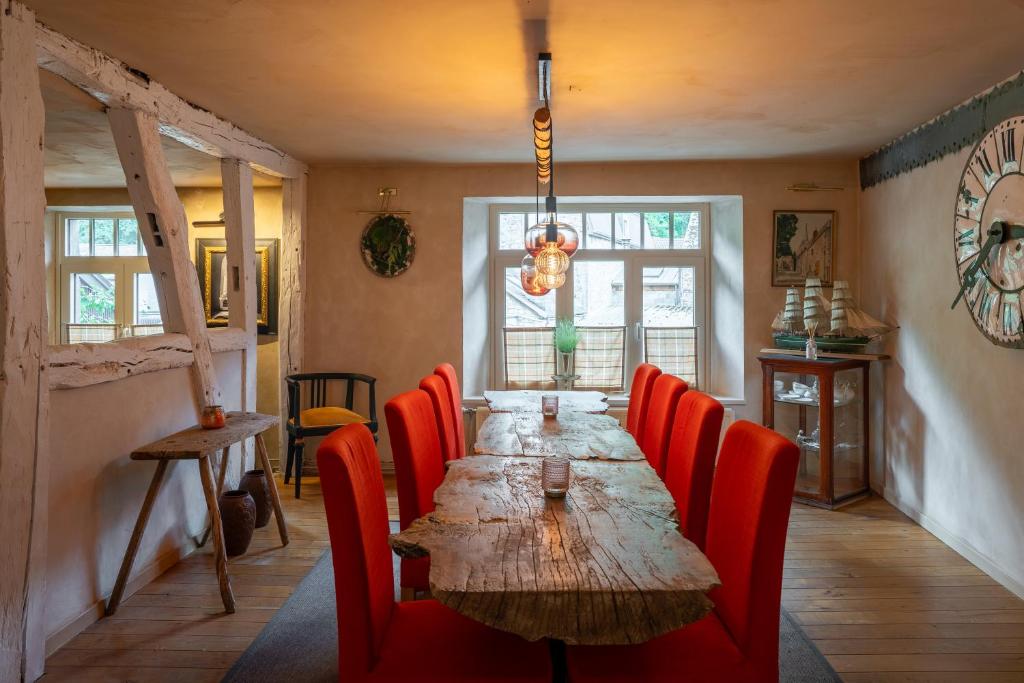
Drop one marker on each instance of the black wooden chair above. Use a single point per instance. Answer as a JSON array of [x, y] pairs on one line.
[[319, 418]]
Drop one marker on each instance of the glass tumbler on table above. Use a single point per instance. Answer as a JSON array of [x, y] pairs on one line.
[[554, 476], [549, 405]]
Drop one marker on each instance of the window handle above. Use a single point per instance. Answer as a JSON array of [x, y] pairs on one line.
[[638, 330]]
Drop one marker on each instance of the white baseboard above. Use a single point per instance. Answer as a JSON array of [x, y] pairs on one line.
[[94, 613], [960, 545]]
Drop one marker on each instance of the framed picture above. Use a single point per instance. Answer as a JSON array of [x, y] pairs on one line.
[[803, 246], [214, 281]]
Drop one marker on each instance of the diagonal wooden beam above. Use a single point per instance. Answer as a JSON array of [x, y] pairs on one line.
[[117, 85], [24, 394], [164, 230]]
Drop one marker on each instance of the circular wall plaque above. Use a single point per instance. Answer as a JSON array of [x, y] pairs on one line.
[[388, 245]]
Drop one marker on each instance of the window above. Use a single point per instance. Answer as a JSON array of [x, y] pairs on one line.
[[106, 290], [635, 290]]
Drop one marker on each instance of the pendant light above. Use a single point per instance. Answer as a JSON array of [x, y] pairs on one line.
[[549, 243], [530, 278]]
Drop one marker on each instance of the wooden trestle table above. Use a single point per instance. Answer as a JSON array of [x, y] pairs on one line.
[[199, 444]]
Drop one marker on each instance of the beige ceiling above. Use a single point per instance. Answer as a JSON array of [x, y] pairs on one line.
[[80, 152], [453, 80]]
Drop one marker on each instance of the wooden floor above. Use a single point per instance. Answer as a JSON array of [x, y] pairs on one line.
[[883, 599]]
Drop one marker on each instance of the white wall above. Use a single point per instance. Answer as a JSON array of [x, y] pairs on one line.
[[951, 399], [96, 491]]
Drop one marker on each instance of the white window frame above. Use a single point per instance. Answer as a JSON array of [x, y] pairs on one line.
[[124, 269], [634, 261]]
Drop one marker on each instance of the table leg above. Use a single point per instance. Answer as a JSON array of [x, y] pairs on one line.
[[219, 556], [224, 470], [241, 458], [133, 544], [282, 527]]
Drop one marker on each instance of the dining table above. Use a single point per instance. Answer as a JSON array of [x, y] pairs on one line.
[[528, 400], [604, 565]]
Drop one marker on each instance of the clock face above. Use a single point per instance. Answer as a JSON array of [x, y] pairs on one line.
[[991, 190]]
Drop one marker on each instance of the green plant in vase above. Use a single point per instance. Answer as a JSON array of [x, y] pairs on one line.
[[566, 340]]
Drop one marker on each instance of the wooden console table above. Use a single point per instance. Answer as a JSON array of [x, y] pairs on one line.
[[199, 444]]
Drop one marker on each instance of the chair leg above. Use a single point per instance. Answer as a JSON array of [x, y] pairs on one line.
[[299, 445], [291, 456]]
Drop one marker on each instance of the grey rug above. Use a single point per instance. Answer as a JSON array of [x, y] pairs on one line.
[[300, 643]]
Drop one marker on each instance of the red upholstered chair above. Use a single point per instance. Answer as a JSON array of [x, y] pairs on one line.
[[661, 410], [690, 464], [447, 372], [739, 641], [419, 470], [639, 395], [378, 639], [437, 390]]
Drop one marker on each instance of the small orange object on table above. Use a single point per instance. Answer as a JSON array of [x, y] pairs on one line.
[[199, 443]]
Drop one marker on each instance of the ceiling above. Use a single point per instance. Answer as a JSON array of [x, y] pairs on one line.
[[437, 80], [79, 147]]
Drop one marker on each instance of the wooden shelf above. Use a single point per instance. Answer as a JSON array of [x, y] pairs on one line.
[[827, 354]]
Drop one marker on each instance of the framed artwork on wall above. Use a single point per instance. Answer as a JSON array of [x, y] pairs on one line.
[[214, 281], [803, 246]]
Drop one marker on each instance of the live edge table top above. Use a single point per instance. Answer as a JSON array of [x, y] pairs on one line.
[[578, 435], [605, 565], [195, 442], [528, 400]]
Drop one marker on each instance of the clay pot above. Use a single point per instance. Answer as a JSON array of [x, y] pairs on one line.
[[238, 515], [255, 482]]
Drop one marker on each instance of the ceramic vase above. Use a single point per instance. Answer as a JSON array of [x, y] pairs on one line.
[[238, 516], [255, 482]]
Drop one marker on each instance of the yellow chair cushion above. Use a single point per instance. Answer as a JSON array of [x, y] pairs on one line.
[[329, 416]]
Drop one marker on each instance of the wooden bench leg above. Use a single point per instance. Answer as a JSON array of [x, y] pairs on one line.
[[275, 498], [133, 544], [219, 556], [220, 489]]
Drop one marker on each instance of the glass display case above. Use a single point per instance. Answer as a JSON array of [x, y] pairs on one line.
[[821, 405]]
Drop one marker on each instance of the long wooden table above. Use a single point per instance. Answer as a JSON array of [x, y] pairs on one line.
[[528, 401], [580, 436], [606, 565]]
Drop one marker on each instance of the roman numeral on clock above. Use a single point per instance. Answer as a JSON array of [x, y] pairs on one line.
[[984, 162], [1009, 146], [965, 238]]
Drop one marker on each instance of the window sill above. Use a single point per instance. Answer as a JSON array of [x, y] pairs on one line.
[[614, 401]]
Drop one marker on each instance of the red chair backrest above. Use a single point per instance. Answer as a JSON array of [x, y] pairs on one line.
[[639, 395], [447, 372], [437, 390], [657, 427], [690, 464], [357, 521], [416, 448], [750, 502]]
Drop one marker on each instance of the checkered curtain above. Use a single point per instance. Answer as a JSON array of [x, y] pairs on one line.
[[76, 333], [529, 357], [600, 358], [674, 350]]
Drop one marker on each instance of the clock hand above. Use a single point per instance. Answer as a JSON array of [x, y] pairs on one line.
[[995, 236]]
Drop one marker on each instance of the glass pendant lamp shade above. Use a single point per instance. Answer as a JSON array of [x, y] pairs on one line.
[[551, 260], [567, 239], [528, 274]]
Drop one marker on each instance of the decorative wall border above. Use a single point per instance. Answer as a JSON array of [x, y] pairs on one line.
[[946, 134]]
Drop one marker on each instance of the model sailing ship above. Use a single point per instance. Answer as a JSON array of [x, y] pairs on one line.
[[849, 329]]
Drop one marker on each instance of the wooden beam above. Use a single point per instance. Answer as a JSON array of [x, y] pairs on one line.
[[73, 366], [293, 285], [117, 85], [240, 232], [24, 395], [164, 230]]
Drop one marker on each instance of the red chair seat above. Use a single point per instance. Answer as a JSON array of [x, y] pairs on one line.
[[698, 652], [426, 641], [415, 573]]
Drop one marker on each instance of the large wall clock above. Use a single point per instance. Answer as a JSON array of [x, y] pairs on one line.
[[988, 234]]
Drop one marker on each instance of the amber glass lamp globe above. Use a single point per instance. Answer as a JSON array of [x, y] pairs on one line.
[[567, 238], [550, 281], [551, 260], [528, 274]]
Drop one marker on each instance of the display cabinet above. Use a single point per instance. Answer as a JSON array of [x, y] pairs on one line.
[[821, 405]]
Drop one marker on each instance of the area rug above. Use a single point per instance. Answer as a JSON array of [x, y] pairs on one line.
[[300, 643]]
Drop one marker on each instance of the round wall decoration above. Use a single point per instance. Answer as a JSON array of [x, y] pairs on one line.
[[988, 234], [388, 245]]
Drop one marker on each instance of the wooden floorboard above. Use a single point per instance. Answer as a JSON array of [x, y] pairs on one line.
[[884, 601]]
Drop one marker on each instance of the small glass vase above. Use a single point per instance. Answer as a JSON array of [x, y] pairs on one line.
[[549, 405], [554, 476]]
